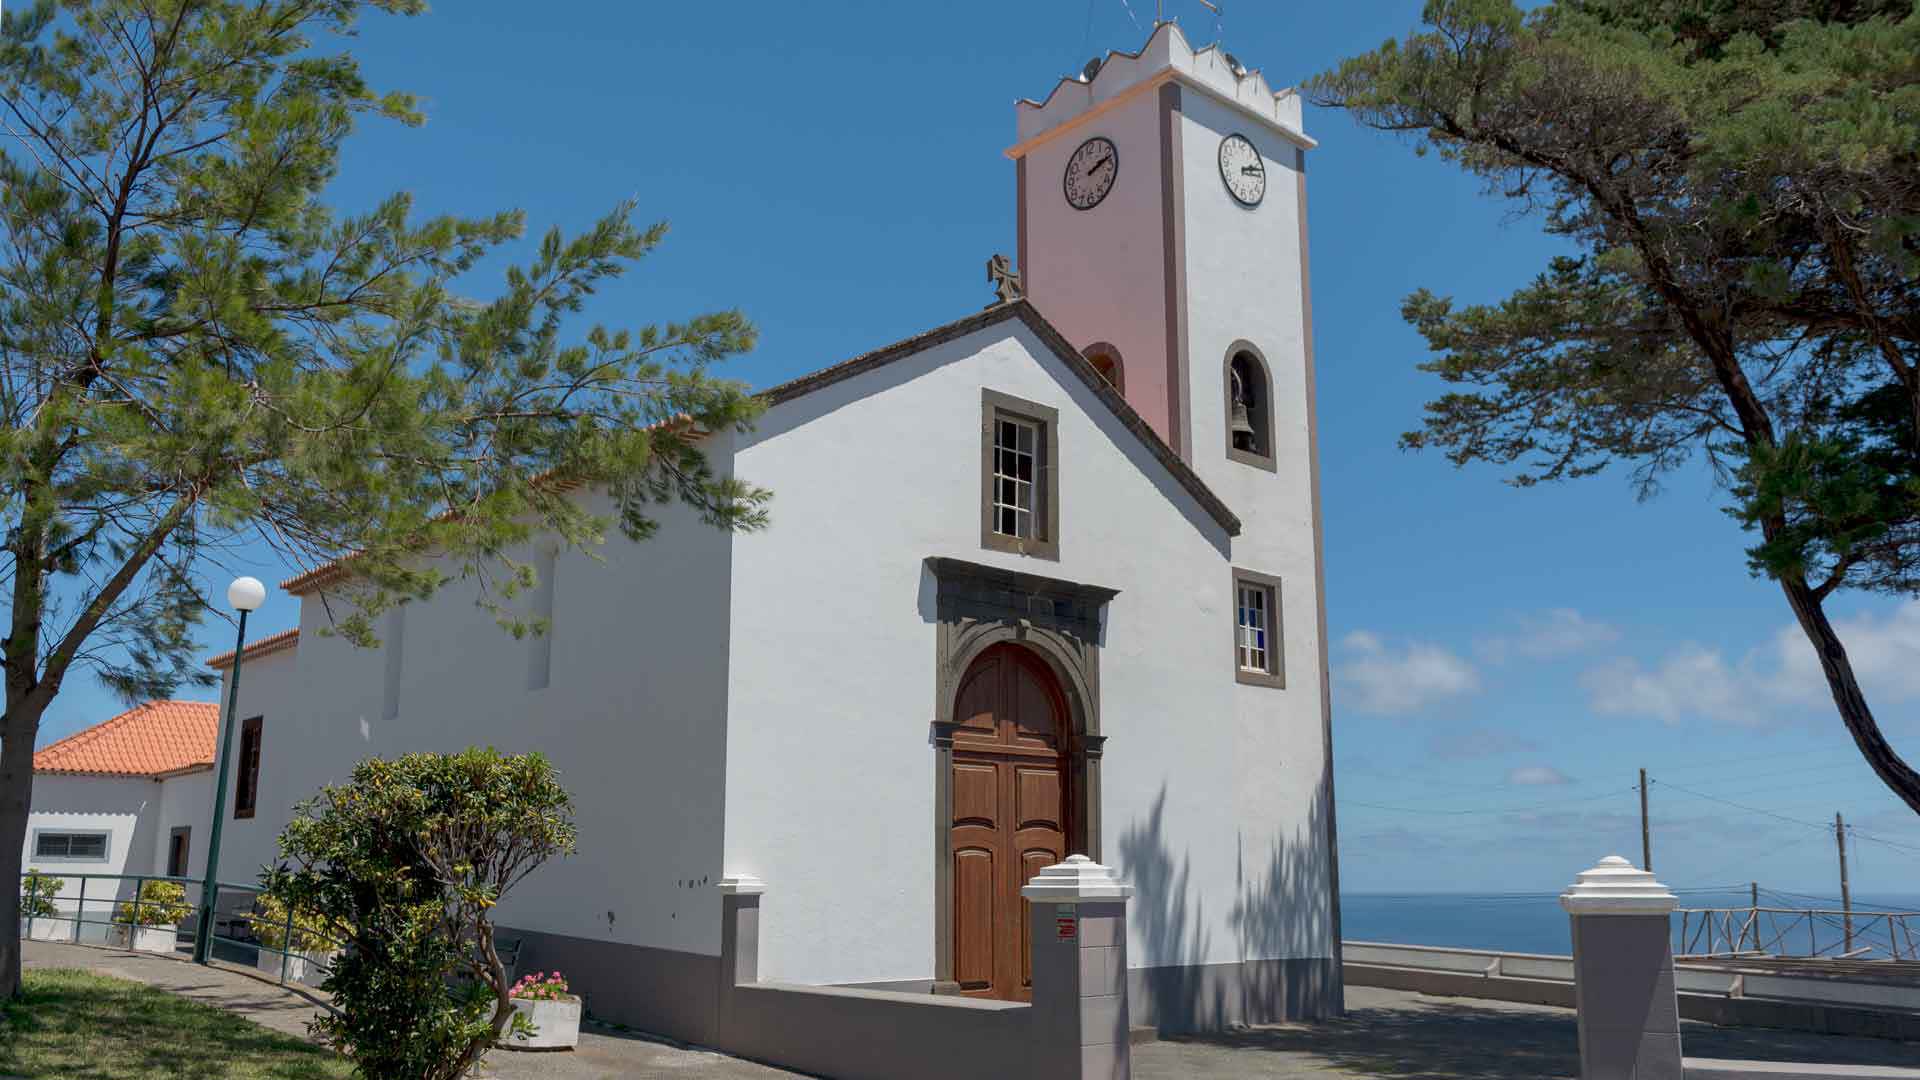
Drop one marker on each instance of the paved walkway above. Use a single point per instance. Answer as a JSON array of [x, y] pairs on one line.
[[1387, 1034], [1399, 1035]]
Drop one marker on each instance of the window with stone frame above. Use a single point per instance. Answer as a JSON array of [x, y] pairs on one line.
[[1019, 476], [1257, 658]]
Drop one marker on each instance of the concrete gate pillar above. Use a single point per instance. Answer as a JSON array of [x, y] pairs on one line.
[[1623, 974], [1078, 913]]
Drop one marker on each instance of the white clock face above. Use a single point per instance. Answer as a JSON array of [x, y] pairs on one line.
[[1243, 170], [1090, 173]]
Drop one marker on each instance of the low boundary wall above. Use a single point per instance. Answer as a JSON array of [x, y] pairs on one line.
[[900, 1034], [1715, 994]]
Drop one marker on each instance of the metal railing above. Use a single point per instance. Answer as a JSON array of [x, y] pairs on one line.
[[32, 897], [1782, 932]]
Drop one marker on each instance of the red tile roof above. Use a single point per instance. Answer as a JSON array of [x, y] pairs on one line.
[[272, 643], [153, 740]]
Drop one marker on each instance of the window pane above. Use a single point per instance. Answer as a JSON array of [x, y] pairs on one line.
[[90, 846]]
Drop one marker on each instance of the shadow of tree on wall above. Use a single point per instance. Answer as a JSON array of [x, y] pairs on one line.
[[1174, 940], [1286, 910], [1280, 910]]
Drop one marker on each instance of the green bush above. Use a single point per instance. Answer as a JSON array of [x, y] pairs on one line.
[[37, 891], [311, 933], [162, 903], [411, 857]]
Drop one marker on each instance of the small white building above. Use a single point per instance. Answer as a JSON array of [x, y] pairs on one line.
[[128, 796], [1044, 580]]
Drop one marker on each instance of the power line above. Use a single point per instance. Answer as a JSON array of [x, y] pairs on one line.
[[1495, 810], [1741, 806]]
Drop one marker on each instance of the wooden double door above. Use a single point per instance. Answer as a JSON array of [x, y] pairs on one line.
[[1010, 814]]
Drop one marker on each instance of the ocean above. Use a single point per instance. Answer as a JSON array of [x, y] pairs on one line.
[[1535, 923]]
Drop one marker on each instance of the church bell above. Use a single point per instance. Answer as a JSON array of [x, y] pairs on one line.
[[1242, 426], [1241, 430]]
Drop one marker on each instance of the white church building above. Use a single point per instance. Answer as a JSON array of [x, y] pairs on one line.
[[1044, 580]]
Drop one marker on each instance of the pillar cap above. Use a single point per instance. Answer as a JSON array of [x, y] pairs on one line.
[[1078, 878], [1614, 887], [741, 885]]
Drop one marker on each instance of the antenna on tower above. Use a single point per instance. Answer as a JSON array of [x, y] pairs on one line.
[[1219, 19]]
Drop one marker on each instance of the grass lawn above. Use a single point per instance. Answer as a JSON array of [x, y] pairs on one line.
[[79, 1026]]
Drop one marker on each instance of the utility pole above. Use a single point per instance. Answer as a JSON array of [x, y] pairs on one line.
[[1846, 898], [1753, 916], [1646, 834]]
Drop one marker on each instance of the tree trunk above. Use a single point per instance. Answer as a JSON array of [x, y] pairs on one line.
[[17, 734], [1895, 773]]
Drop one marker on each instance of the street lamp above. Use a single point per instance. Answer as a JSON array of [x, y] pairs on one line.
[[245, 594]]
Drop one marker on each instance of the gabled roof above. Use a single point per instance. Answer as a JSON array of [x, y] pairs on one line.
[[154, 740], [272, 643], [1061, 348], [329, 572]]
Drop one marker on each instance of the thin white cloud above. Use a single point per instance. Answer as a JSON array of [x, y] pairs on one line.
[[1776, 681], [1537, 776], [1546, 635], [1378, 678], [1690, 681]]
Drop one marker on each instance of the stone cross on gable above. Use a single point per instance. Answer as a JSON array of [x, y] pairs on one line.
[[1004, 279]]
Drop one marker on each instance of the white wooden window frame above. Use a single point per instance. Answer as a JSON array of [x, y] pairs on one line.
[[1037, 525], [1252, 665]]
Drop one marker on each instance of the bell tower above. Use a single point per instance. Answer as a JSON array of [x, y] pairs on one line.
[[1162, 230]]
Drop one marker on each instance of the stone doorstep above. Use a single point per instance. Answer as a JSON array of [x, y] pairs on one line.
[[1137, 1035]]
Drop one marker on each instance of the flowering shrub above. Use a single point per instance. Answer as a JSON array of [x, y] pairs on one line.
[[541, 986], [162, 903], [410, 859], [37, 891], [311, 933]]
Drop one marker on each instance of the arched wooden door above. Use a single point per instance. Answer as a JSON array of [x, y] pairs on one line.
[[1009, 814]]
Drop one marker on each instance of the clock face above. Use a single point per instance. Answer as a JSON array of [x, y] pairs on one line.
[[1090, 173], [1243, 170]]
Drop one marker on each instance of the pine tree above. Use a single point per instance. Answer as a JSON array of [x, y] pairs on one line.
[[197, 353], [1741, 181]]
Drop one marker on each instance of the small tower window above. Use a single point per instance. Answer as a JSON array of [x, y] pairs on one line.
[[1257, 631], [1249, 409], [1106, 360]]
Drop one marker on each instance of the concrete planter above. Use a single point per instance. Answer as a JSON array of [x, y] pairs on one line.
[[153, 939], [47, 928], [307, 968], [556, 1025]]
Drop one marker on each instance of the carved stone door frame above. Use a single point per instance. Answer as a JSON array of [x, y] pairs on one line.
[[1060, 622]]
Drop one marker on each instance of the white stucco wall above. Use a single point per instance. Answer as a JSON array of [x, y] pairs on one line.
[[185, 800], [1244, 283], [633, 718], [124, 807], [270, 689], [830, 766]]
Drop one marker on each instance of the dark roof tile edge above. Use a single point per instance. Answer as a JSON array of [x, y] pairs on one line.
[[1068, 355]]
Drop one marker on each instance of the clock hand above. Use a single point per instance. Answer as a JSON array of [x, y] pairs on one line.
[[1252, 170], [1096, 165]]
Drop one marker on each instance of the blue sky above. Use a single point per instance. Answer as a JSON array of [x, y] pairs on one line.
[[1504, 659]]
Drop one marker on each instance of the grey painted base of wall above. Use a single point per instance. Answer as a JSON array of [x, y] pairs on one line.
[[663, 991], [876, 1029], [1210, 997], [876, 1034]]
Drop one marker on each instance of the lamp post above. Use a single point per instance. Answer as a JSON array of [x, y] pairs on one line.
[[245, 594]]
